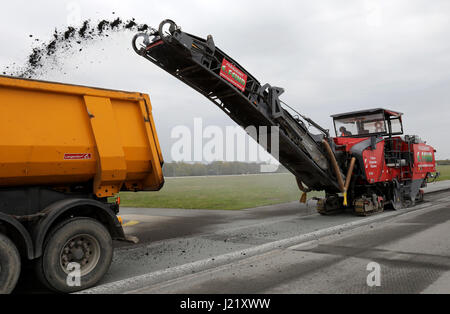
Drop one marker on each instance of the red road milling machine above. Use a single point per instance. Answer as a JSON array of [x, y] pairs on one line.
[[368, 166]]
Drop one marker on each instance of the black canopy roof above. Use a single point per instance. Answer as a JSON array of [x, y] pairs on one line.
[[369, 111]]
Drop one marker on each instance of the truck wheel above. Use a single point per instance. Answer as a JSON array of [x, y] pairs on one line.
[[9, 265], [396, 203], [76, 255]]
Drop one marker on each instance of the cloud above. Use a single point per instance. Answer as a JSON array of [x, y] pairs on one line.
[[330, 56]]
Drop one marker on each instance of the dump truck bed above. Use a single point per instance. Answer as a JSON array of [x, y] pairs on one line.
[[64, 135]]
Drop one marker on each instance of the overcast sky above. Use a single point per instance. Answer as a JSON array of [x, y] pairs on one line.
[[330, 56]]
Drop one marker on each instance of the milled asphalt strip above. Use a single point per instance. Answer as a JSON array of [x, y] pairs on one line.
[[175, 281], [140, 281]]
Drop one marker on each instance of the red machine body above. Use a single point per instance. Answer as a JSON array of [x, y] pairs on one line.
[[390, 169], [375, 165]]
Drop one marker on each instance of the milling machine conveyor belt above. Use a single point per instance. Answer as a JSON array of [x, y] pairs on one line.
[[201, 65]]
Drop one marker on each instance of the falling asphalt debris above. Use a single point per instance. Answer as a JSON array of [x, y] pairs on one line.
[[67, 40]]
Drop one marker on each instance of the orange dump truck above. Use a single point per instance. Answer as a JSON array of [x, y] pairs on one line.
[[65, 152]]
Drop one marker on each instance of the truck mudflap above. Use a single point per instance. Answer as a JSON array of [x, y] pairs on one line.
[[204, 67]]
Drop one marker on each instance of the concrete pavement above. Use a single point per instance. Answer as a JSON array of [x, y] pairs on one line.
[[437, 186]]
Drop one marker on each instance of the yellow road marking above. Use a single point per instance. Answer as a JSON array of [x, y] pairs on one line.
[[131, 223]]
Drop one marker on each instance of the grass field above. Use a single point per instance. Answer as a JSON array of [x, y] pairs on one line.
[[445, 172], [228, 192]]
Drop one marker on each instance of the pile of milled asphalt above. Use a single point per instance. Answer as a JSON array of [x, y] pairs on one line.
[[69, 40]]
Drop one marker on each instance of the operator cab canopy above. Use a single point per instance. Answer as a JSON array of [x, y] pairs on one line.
[[366, 123]]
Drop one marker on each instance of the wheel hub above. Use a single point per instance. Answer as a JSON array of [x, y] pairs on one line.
[[77, 253], [83, 250]]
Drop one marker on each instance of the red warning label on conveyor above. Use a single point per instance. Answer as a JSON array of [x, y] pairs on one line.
[[233, 75], [77, 156]]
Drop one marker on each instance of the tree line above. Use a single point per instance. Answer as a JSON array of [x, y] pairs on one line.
[[218, 168]]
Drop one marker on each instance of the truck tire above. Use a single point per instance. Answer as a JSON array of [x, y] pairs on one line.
[[397, 202], [9, 265], [76, 255]]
